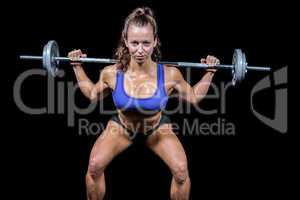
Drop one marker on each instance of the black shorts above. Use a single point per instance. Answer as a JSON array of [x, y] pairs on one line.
[[163, 120]]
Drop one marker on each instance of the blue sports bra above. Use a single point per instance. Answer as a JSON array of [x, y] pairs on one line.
[[155, 103]]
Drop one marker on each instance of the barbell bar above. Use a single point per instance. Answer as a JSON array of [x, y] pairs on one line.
[[51, 60]]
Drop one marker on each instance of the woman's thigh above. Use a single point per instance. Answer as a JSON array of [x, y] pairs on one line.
[[167, 146], [109, 144]]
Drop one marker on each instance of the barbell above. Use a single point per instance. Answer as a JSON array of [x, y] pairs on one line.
[[51, 59]]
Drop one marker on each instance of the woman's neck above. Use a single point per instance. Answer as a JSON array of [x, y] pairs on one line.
[[135, 67]]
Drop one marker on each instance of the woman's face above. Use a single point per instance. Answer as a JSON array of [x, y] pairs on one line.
[[140, 42]]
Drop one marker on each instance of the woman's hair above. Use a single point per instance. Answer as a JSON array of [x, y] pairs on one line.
[[140, 17]]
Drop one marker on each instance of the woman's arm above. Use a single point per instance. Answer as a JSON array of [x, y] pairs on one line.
[[87, 87], [196, 93]]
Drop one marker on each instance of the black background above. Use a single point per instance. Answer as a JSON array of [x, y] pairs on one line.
[[49, 159]]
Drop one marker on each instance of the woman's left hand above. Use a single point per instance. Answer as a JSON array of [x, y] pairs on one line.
[[211, 61]]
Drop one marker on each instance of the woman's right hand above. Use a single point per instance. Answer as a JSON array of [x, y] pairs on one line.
[[75, 55]]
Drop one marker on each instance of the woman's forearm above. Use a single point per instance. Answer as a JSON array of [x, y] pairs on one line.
[[85, 84], [201, 88]]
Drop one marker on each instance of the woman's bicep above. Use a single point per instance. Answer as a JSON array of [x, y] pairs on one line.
[[101, 89], [183, 88]]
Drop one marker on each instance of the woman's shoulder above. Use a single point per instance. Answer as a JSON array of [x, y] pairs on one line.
[[108, 75], [172, 72], [109, 70]]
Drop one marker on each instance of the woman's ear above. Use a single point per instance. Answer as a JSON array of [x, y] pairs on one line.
[[126, 42], [155, 42]]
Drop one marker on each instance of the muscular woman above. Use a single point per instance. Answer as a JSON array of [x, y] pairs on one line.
[[140, 87]]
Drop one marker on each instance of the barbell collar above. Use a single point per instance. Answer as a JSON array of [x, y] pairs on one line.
[[31, 57], [256, 68]]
